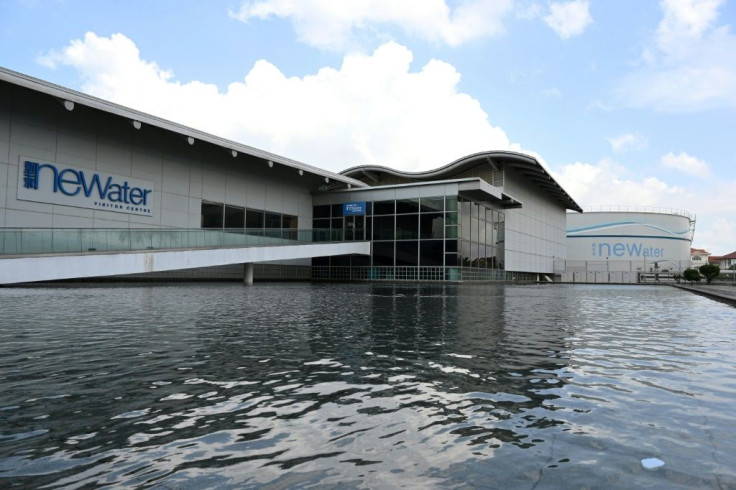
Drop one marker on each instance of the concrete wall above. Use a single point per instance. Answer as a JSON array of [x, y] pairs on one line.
[[535, 233], [35, 125]]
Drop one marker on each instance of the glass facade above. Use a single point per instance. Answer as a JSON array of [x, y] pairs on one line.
[[433, 237], [217, 215]]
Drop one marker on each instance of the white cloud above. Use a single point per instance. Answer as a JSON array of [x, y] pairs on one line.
[[551, 93], [686, 163], [330, 24], [689, 64], [569, 19], [372, 110], [628, 142], [608, 183]]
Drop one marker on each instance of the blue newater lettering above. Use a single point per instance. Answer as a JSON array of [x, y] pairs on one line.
[[95, 181], [73, 180], [634, 248]]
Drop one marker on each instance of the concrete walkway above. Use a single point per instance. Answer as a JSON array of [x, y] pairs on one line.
[[727, 294]]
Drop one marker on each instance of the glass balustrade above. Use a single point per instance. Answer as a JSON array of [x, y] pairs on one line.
[[31, 241]]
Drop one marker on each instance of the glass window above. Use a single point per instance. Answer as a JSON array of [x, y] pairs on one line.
[[430, 253], [465, 226], [451, 203], [383, 228], [273, 220], [321, 211], [405, 206], [290, 221], [451, 232], [482, 231], [432, 225], [212, 214], [451, 218], [474, 229], [337, 210], [464, 255], [234, 217], [450, 245], [432, 204], [474, 210], [321, 224], [383, 253], [464, 207], [450, 260], [384, 207], [336, 223], [254, 218], [407, 252], [407, 226]]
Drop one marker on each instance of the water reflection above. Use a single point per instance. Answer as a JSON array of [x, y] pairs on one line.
[[364, 385]]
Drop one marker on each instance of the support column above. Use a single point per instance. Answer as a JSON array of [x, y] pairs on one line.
[[248, 274]]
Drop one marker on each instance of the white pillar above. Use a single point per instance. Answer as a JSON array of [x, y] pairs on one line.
[[248, 274]]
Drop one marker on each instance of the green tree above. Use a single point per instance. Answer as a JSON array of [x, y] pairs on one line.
[[691, 275], [709, 271], [677, 277]]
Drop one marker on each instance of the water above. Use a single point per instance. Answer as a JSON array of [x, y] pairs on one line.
[[366, 386]]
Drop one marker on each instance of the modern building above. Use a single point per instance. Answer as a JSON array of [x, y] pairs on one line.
[[626, 244], [89, 188]]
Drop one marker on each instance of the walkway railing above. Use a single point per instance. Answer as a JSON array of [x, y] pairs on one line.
[[31, 241]]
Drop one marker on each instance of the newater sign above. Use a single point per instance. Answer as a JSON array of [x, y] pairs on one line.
[[353, 208], [46, 182]]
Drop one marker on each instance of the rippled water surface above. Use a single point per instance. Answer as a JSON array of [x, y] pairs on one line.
[[366, 386]]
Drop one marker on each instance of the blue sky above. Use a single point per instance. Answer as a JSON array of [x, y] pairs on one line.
[[627, 103]]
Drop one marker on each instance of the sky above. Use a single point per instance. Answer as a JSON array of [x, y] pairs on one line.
[[627, 103]]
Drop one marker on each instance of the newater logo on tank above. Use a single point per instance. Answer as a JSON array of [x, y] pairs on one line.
[[52, 183]]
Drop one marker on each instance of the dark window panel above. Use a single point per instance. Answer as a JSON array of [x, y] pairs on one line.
[[432, 225], [407, 226], [451, 260], [290, 221], [234, 217], [384, 207], [450, 245], [321, 224], [321, 211], [383, 228], [212, 215], [254, 218], [431, 253], [432, 204], [407, 252], [383, 253], [406, 206], [273, 220], [337, 210]]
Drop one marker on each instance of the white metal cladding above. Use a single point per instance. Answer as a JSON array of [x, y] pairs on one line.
[[627, 236]]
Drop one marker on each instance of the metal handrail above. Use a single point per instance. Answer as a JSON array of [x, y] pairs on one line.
[[37, 241]]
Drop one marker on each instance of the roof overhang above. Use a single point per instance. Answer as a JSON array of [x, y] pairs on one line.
[[480, 190]]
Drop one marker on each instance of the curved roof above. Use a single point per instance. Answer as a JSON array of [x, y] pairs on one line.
[[527, 165]]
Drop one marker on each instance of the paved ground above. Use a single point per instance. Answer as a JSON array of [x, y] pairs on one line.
[[723, 293]]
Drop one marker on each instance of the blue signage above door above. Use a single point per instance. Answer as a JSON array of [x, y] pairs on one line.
[[354, 208]]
